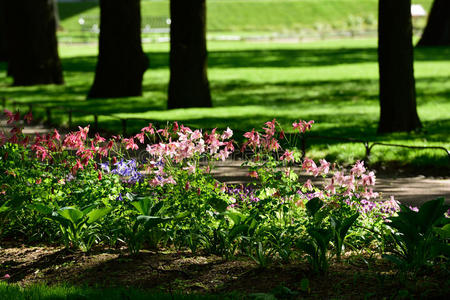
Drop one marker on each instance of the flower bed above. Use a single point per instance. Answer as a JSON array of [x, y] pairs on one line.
[[85, 190]]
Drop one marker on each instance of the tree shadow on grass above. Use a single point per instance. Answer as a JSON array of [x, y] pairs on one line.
[[278, 58]]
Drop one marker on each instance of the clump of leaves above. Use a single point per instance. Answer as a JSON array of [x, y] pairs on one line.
[[421, 236]]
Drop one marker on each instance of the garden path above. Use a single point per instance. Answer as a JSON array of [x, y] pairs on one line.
[[411, 190]]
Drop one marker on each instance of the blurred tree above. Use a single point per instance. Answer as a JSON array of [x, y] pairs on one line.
[[121, 62], [32, 47], [56, 12], [437, 31], [188, 85], [395, 57], [3, 49]]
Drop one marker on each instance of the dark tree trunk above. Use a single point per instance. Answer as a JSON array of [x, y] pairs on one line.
[[395, 57], [188, 86], [437, 31], [3, 49], [121, 61], [56, 12], [31, 42]]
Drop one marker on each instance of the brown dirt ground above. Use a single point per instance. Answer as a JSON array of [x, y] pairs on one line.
[[170, 270]]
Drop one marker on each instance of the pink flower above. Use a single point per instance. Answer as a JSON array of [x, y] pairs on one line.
[[270, 129], [287, 156], [331, 188], [368, 179], [83, 132], [358, 168], [77, 166], [140, 137], [7, 276], [55, 135], [302, 126], [414, 208], [175, 126], [324, 166], [227, 134], [148, 129], [253, 174], [28, 117], [130, 144], [11, 116], [253, 138], [308, 185]]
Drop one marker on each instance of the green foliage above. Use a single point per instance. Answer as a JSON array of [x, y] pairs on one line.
[[40, 292], [421, 236], [77, 225], [145, 225]]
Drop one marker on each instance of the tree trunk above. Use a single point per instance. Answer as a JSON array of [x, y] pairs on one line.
[[56, 12], [188, 86], [31, 42], [437, 31], [121, 61], [395, 57], [3, 49]]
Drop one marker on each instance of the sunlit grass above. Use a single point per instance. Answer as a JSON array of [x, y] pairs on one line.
[[333, 82], [42, 292], [262, 16]]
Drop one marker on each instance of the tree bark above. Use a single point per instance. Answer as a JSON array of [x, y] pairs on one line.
[[395, 57], [3, 49], [121, 61], [437, 31], [56, 12], [31, 41], [188, 85]]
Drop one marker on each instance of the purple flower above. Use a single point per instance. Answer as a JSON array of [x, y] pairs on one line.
[[119, 198]]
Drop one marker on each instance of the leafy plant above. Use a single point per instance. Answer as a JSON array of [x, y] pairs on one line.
[[340, 229], [421, 236], [145, 226], [75, 224], [316, 247]]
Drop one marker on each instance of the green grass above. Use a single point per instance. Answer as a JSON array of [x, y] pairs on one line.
[[333, 82], [44, 292], [257, 15]]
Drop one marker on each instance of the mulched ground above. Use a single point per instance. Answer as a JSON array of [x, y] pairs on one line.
[[171, 270]]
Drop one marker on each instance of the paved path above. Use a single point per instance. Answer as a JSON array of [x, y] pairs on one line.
[[409, 190]]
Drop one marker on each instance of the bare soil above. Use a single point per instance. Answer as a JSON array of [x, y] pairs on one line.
[[170, 270]]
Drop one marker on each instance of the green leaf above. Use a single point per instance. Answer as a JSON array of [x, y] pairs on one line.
[[143, 205], [394, 259], [156, 208], [238, 230], [348, 222], [443, 232], [218, 204], [235, 216], [151, 221], [313, 206], [41, 208], [71, 213], [97, 214], [429, 213]]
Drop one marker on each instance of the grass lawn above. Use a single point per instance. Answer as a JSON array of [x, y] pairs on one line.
[[42, 291], [256, 15], [333, 82]]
